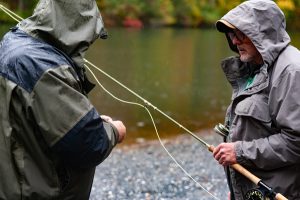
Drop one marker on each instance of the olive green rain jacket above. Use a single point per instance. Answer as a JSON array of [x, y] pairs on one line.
[[264, 116], [51, 137]]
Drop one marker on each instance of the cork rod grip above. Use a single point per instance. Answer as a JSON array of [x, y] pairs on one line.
[[248, 174], [280, 197]]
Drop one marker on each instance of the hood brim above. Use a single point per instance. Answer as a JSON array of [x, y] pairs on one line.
[[224, 26]]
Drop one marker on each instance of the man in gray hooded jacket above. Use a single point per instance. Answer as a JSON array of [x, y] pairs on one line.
[[264, 116], [51, 137]]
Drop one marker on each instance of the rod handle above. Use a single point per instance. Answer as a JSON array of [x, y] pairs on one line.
[[240, 169], [280, 197], [248, 174]]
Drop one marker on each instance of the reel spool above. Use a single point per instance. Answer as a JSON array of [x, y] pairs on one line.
[[221, 130], [260, 194], [255, 194]]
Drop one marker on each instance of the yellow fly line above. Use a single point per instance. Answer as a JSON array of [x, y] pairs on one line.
[[10, 13]]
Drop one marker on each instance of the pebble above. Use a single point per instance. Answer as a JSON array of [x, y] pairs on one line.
[[146, 172]]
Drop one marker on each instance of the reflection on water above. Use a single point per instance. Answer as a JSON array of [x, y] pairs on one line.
[[177, 70]]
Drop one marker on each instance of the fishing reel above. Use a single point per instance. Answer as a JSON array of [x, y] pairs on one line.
[[260, 193], [221, 130], [255, 194]]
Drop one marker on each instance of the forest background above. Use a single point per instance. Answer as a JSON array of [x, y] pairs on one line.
[[158, 13]]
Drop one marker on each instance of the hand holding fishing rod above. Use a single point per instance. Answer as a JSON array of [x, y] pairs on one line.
[[225, 154], [257, 181]]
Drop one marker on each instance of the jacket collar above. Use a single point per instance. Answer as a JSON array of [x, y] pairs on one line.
[[238, 72]]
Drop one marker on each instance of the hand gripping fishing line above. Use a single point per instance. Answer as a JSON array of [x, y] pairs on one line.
[[237, 167]]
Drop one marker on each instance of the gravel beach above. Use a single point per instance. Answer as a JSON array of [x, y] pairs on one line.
[[146, 172]]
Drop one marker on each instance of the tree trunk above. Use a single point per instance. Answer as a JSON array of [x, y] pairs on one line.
[[16, 4], [21, 5]]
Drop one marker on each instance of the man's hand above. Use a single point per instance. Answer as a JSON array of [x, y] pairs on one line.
[[119, 126], [224, 153], [121, 129]]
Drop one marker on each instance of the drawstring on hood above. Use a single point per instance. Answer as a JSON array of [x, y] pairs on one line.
[[267, 32], [71, 26]]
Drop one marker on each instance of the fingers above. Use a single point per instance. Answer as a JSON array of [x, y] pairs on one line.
[[106, 118], [119, 126], [224, 153], [219, 155], [121, 130]]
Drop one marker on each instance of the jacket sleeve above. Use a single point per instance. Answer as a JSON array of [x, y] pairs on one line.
[[282, 148], [68, 122]]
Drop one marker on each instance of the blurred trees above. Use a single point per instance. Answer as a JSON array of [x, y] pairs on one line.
[[185, 13]]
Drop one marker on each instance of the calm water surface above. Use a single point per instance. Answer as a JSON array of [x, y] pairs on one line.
[[177, 70]]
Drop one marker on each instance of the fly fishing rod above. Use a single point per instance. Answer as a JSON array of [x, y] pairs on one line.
[[220, 129]]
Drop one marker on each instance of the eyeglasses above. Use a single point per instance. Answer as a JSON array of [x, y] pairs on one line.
[[237, 34]]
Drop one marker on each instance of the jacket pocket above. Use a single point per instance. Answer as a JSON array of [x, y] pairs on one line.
[[255, 106]]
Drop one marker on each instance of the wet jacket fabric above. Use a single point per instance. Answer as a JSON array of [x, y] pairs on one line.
[[51, 136], [264, 116]]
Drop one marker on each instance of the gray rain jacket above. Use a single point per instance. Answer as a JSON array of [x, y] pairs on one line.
[[51, 137], [264, 119]]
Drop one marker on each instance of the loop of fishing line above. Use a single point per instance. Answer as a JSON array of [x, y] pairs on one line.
[[148, 103], [145, 106], [154, 125]]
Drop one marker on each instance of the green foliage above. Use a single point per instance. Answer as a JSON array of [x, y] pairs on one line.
[[191, 13], [166, 11], [187, 12]]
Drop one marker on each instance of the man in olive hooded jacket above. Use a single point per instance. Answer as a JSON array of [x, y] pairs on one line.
[[264, 115], [51, 137]]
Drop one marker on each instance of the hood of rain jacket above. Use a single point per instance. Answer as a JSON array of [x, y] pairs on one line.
[[264, 116], [51, 136], [266, 31], [69, 26]]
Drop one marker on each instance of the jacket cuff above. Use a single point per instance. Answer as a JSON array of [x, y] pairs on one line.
[[240, 154], [112, 133]]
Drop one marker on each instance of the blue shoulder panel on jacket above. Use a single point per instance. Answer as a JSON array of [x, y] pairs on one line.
[[24, 59], [86, 144]]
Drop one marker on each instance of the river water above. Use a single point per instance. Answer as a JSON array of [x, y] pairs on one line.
[[177, 70]]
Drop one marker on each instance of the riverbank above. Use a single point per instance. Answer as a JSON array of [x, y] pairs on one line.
[[145, 171]]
